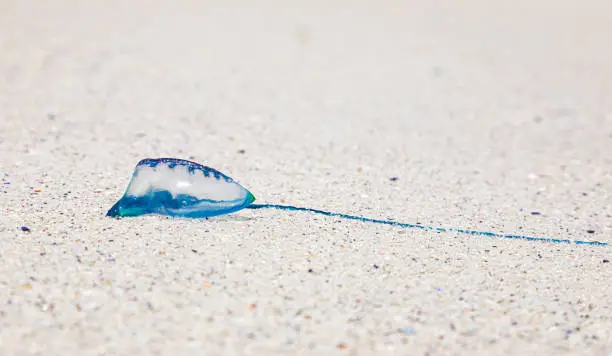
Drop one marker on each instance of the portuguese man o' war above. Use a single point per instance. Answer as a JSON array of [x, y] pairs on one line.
[[181, 188]]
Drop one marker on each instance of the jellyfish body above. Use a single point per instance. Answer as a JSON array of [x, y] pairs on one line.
[[180, 188]]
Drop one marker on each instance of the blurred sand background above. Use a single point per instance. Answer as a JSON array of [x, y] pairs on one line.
[[485, 111]]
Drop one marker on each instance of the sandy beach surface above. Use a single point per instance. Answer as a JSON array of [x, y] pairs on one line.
[[468, 114]]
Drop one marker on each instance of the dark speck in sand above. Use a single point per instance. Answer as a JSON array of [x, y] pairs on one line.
[[605, 261], [25, 229], [591, 231], [310, 270], [407, 331], [194, 251], [536, 213], [394, 179], [375, 266], [242, 152]]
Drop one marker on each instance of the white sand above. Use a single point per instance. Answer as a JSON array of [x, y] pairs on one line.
[[484, 112]]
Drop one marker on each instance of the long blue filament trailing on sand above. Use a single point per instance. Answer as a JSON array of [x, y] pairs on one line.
[[180, 188], [422, 227]]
